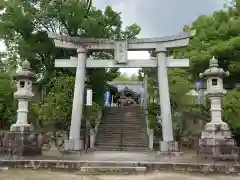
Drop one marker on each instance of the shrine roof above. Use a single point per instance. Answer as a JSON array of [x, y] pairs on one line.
[[136, 87]]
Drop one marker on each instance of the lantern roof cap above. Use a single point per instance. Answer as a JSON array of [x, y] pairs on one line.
[[214, 70], [25, 72]]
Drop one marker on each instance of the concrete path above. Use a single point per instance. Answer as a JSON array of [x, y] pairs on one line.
[[117, 156], [46, 175], [188, 157]]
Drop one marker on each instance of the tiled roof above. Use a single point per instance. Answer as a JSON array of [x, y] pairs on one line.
[[136, 87]]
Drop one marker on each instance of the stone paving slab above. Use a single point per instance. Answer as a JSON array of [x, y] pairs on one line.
[[48, 175], [105, 161], [74, 166]]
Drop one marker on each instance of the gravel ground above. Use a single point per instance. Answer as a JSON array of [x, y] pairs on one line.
[[45, 175]]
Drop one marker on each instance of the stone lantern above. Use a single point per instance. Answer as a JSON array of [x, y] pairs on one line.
[[216, 138], [23, 94], [20, 139]]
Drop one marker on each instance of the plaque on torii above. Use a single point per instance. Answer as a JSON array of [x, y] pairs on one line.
[[120, 52]]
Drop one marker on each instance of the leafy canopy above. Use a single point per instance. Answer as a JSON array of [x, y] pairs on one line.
[[23, 28], [216, 35]]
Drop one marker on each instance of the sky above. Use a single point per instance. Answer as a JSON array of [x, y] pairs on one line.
[[158, 17]]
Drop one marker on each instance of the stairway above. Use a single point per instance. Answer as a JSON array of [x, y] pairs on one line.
[[122, 129]]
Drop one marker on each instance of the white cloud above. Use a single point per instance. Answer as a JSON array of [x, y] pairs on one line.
[[134, 55], [159, 17]]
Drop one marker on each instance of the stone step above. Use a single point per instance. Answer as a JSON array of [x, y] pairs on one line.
[[123, 133], [127, 136], [122, 114], [115, 145], [122, 125], [131, 123], [130, 134], [108, 139], [130, 138], [136, 113], [135, 144], [134, 139], [143, 149], [122, 141], [112, 148], [122, 122], [122, 129], [111, 170], [104, 148], [107, 145], [131, 118], [117, 126]]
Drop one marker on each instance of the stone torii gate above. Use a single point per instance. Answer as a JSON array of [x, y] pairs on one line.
[[121, 48]]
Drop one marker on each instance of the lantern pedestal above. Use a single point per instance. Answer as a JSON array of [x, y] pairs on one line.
[[22, 141], [216, 142]]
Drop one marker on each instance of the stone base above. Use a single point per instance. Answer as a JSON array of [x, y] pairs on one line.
[[90, 170], [22, 142], [216, 142], [20, 128], [221, 149], [74, 145], [170, 154], [169, 146]]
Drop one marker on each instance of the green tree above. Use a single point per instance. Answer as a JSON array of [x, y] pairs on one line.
[[125, 78], [7, 103], [55, 110], [231, 113], [57, 105], [24, 26], [216, 35], [179, 86]]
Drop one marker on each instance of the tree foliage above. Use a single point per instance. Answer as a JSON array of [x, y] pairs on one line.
[[57, 105], [179, 86], [125, 78], [23, 28], [231, 113], [216, 35], [7, 103]]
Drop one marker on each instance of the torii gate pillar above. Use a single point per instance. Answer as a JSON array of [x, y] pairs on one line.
[[167, 145], [75, 143]]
